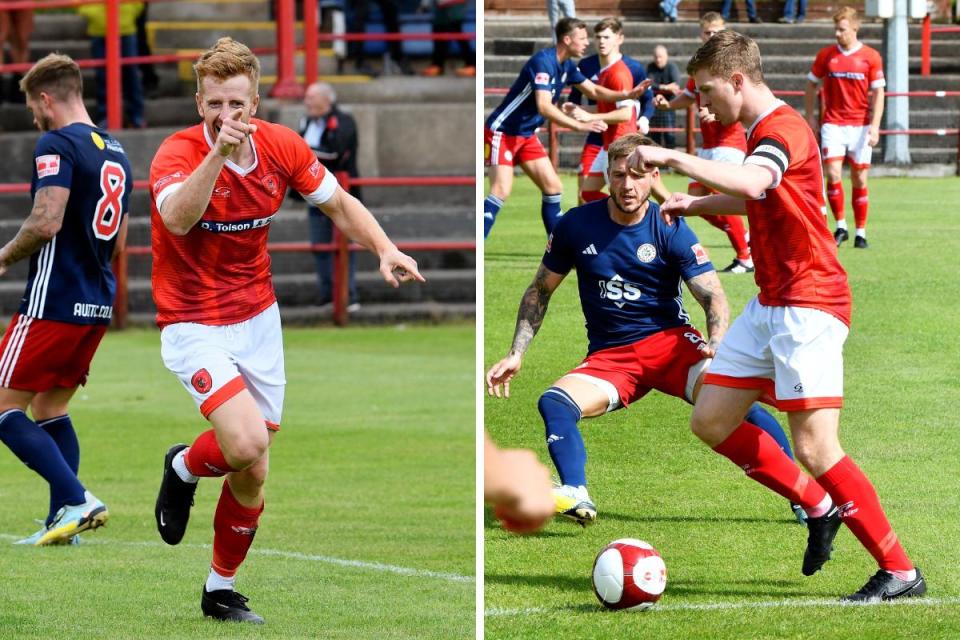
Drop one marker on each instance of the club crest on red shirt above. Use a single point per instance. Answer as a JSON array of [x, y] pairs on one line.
[[271, 184], [202, 381]]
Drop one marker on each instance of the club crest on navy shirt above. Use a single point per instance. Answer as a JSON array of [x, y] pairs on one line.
[[646, 252]]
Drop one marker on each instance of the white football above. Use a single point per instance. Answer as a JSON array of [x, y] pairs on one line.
[[629, 574]]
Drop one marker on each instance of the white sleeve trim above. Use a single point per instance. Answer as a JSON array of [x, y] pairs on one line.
[[324, 192], [166, 193], [769, 164], [812, 78], [879, 82], [625, 103]]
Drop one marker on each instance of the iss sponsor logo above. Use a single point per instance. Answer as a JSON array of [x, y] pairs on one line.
[[202, 381], [700, 253], [541, 78], [48, 165], [646, 252], [619, 291]]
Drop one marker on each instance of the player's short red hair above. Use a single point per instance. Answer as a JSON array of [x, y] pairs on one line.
[[849, 14], [726, 53], [226, 59]]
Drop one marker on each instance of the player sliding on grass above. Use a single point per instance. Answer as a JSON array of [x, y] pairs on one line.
[[215, 188], [81, 185], [787, 345], [629, 264]]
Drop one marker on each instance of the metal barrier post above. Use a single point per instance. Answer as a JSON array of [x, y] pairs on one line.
[[114, 79], [341, 265], [925, 47], [691, 143], [286, 85], [121, 304], [310, 41]]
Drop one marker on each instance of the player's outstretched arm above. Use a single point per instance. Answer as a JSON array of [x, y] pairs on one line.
[[708, 291], [717, 204], [681, 101], [184, 208], [533, 308], [748, 181], [600, 93], [41, 225], [354, 220], [553, 113], [518, 486]]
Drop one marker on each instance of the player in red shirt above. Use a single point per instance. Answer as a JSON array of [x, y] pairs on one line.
[[853, 89], [722, 143], [787, 345], [216, 187]]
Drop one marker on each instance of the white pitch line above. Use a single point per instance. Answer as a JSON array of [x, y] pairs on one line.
[[497, 612], [296, 555]]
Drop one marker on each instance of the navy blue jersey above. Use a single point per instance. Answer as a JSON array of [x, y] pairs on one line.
[[517, 115], [70, 277], [630, 278], [590, 68]]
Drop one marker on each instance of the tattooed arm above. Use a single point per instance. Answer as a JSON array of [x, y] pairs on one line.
[[41, 225], [533, 308], [708, 292]]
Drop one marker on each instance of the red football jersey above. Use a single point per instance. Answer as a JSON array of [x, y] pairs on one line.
[[716, 134], [848, 77], [793, 250], [617, 77], [219, 272]]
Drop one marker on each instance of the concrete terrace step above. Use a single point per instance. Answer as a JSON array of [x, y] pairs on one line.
[[224, 10]]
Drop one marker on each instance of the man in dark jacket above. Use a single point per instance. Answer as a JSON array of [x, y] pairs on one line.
[[332, 134]]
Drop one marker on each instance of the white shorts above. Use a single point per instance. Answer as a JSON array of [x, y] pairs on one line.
[[215, 363], [839, 141], [730, 155], [599, 166], [793, 354]]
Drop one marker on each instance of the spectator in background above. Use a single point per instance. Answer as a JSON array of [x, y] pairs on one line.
[[789, 16], [666, 83], [557, 7], [332, 134], [16, 26], [391, 21], [448, 17], [96, 15], [668, 10], [151, 82], [751, 10]]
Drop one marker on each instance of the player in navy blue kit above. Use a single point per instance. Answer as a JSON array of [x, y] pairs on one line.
[[510, 134], [630, 265], [80, 188]]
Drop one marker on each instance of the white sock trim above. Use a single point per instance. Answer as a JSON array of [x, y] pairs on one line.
[[180, 467], [217, 582]]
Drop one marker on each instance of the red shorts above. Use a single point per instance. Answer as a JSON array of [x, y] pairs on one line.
[[587, 156], [39, 355], [501, 149], [661, 361]]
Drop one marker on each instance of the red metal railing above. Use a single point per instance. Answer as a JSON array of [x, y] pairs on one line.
[[691, 129], [926, 36]]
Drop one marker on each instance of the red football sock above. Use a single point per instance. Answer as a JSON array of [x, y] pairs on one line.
[[204, 457], [860, 204], [590, 196], [759, 455], [234, 526], [736, 233], [860, 510], [835, 198]]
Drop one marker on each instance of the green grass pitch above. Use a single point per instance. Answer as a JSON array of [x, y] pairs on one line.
[[731, 547], [369, 527]]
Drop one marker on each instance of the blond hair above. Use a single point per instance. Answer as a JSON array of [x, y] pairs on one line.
[[625, 145], [55, 74], [849, 14], [226, 59], [726, 53], [711, 17]]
